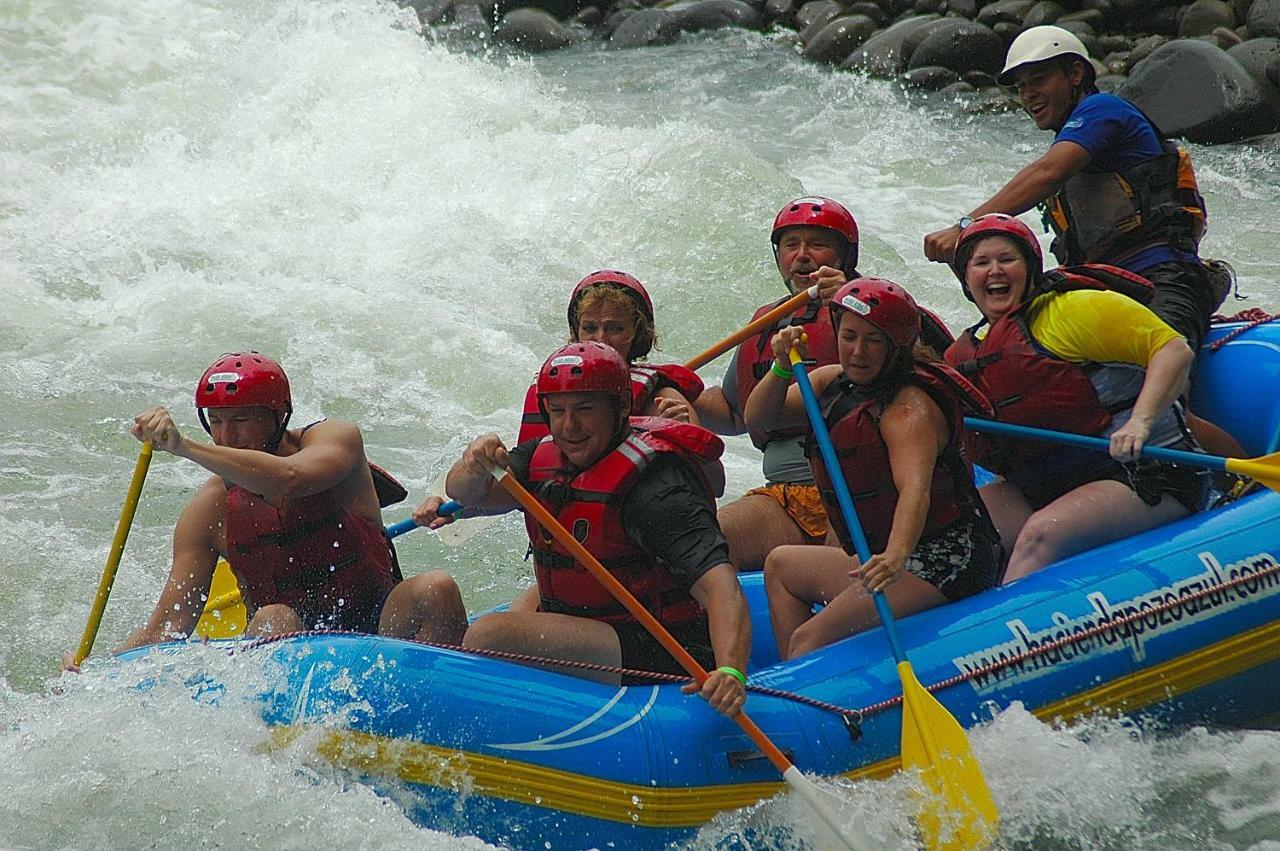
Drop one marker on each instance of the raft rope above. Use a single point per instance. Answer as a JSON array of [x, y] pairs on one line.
[[1253, 316], [852, 717], [655, 676]]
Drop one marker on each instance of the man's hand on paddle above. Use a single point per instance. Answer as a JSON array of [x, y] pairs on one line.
[[156, 426], [723, 691], [829, 279], [482, 455]]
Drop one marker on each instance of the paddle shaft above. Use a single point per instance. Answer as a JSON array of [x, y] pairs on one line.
[[842, 496], [113, 558], [754, 327], [1100, 444]]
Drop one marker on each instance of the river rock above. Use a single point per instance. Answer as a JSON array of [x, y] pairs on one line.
[[716, 14], [840, 37], [431, 12], [1273, 73], [1264, 19], [929, 7], [963, 8], [1144, 47], [884, 53], [1204, 16], [1005, 12], [1195, 90], [964, 46], [957, 89], [783, 11], [1117, 63], [815, 15], [930, 78], [1163, 21], [561, 9], [1256, 54], [645, 28], [532, 29], [1138, 10], [871, 10], [1110, 83], [588, 16], [1227, 37], [471, 22], [1044, 12], [1092, 19]]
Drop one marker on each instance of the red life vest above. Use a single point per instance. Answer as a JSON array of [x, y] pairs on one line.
[[1031, 387], [646, 381], [852, 415], [589, 504], [755, 357], [333, 567]]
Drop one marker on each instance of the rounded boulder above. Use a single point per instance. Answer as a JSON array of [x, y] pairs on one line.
[[1193, 89], [1264, 19], [532, 29], [964, 46]]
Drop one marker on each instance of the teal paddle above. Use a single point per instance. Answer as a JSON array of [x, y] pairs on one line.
[[1265, 469], [960, 813]]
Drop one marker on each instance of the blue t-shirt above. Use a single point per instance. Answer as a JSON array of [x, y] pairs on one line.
[[1117, 136], [1113, 131]]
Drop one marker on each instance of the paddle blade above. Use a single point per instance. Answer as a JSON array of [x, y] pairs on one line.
[[831, 833], [959, 812], [1265, 469]]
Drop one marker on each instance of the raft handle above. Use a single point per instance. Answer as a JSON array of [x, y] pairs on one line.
[[737, 759]]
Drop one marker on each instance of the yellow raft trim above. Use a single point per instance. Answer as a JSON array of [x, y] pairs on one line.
[[673, 807]]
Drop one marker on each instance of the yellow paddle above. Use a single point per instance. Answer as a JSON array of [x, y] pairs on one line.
[[806, 788], [113, 558], [960, 813]]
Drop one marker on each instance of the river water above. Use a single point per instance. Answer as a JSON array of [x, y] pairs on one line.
[[399, 221]]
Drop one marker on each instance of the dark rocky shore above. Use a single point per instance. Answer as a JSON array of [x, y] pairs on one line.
[[1207, 71]]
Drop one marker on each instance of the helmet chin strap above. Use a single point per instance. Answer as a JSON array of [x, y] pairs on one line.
[[282, 425]]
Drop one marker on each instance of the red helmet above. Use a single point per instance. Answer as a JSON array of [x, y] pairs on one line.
[[998, 224], [882, 303], [633, 287], [243, 380], [818, 212], [586, 367], [608, 276]]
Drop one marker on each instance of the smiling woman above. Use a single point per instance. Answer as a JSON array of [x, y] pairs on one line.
[[1059, 352]]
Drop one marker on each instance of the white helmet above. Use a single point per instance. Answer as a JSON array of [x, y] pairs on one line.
[[1038, 44]]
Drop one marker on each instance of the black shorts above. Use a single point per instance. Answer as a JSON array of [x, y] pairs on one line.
[[1183, 298], [642, 652], [1150, 480], [959, 561]]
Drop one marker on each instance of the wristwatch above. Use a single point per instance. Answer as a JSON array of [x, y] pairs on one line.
[[964, 222]]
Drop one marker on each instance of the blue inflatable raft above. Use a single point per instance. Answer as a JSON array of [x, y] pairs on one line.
[[1182, 622]]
